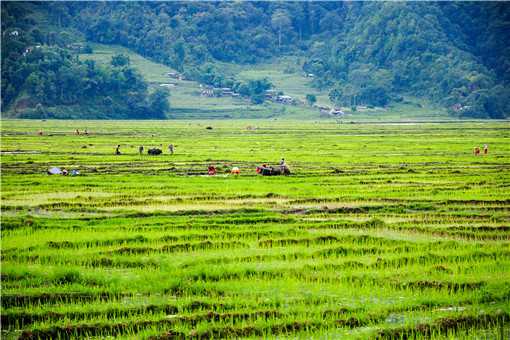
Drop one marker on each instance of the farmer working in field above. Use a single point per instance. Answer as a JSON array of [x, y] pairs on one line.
[[485, 149], [171, 149], [117, 150], [282, 165]]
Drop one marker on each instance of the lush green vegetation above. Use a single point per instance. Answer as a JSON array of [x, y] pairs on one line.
[[454, 53], [368, 54], [42, 78], [388, 230]]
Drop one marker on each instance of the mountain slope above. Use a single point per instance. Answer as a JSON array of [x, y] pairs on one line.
[[359, 53], [42, 78]]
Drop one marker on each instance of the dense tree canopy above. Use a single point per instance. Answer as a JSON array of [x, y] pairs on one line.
[[372, 53], [45, 80]]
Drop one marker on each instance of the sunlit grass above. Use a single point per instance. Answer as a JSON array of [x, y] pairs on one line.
[[389, 230]]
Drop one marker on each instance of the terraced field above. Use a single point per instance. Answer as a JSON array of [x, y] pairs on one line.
[[382, 231]]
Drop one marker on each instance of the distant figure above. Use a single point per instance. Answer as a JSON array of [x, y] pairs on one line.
[[40, 133], [485, 149], [282, 165], [77, 132], [117, 150], [476, 150], [86, 132], [140, 149], [211, 170], [171, 149], [65, 172], [235, 171]]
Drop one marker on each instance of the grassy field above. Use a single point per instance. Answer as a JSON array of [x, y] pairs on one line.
[[381, 231]]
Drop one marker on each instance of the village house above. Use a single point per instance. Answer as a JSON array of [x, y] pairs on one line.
[[174, 75], [336, 112], [271, 94], [207, 92], [284, 99], [168, 85], [324, 109], [458, 107], [77, 47], [30, 49], [226, 91]]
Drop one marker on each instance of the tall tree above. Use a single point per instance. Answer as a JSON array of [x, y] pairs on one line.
[[280, 21]]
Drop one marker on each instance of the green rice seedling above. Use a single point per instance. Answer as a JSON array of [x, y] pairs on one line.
[[353, 244]]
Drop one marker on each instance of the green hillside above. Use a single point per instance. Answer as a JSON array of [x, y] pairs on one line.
[[284, 73], [366, 60], [185, 99]]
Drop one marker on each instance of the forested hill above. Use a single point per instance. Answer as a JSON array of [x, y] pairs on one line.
[[363, 53]]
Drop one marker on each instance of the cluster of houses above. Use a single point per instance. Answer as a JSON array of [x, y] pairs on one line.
[[330, 110], [459, 108], [210, 91], [175, 75], [279, 97], [270, 95]]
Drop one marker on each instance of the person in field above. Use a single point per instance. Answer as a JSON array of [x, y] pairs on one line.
[[485, 149], [117, 150], [171, 149], [211, 170], [86, 132], [235, 171], [476, 150], [40, 133], [282, 165], [77, 132], [140, 149]]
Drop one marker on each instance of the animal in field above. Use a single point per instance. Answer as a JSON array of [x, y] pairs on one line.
[[272, 171], [154, 151]]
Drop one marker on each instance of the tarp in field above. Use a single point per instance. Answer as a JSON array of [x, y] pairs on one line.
[[54, 171]]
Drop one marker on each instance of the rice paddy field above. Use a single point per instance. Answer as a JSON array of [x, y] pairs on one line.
[[382, 231]]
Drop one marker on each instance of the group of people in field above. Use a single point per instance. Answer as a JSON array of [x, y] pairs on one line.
[[263, 170], [477, 151]]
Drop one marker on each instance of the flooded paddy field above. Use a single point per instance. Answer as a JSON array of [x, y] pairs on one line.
[[381, 230]]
